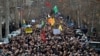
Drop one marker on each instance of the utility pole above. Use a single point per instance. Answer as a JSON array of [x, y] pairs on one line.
[[7, 17]]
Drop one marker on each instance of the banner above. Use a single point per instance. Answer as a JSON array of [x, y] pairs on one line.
[[56, 31], [28, 30], [33, 21]]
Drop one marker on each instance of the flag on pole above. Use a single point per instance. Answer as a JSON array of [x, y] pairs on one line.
[[42, 23], [43, 36], [24, 21], [48, 4], [49, 16], [55, 9], [51, 21], [60, 27]]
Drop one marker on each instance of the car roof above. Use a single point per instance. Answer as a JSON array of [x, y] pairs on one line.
[[94, 42]]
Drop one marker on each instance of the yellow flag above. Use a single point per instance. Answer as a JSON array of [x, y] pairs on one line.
[[61, 21], [60, 27], [24, 21]]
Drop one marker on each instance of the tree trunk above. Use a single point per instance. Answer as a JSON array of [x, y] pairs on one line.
[[7, 17], [0, 26]]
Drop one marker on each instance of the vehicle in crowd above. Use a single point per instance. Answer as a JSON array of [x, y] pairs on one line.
[[14, 33], [95, 45], [4, 41]]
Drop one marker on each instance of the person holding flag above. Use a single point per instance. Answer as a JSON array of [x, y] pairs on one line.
[[43, 36]]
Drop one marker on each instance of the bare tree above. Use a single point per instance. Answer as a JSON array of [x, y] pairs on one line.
[[0, 22], [7, 17]]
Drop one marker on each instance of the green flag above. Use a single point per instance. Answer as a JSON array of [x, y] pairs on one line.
[[55, 9], [42, 23]]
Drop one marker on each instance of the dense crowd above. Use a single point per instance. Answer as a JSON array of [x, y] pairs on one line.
[[64, 44]]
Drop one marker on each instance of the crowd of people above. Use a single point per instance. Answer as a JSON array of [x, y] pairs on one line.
[[64, 44]]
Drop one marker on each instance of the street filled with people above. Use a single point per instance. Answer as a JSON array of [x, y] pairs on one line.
[[50, 36]]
